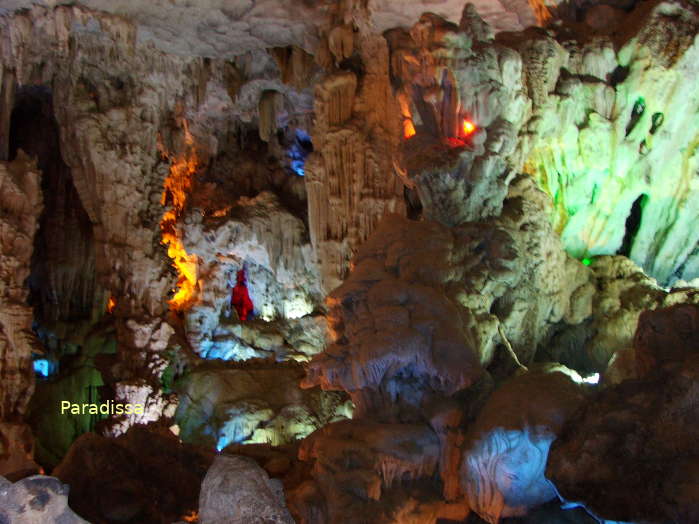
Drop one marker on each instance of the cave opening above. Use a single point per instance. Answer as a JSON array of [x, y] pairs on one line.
[[62, 281], [633, 224], [63, 289]]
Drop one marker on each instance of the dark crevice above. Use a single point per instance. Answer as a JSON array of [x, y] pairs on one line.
[[633, 223], [639, 108], [413, 204], [62, 280]]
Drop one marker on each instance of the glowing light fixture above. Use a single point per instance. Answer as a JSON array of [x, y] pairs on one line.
[[408, 128], [468, 127], [586, 261], [111, 304], [41, 366], [591, 379], [44, 367]]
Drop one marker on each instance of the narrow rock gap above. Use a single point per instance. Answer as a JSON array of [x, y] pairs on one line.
[[633, 224]]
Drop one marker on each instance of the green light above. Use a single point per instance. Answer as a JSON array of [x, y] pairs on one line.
[[586, 261]]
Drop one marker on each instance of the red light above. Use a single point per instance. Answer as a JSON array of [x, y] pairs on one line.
[[468, 127]]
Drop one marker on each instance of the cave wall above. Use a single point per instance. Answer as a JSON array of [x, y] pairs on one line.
[[456, 222]]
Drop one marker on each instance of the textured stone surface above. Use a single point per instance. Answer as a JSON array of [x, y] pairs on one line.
[[260, 237], [20, 203], [362, 467], [447, 75], [253, 403], [611, 139], [16, 450], [237, 491], [505, 451], [220, 29], [349, 180], [630, 453], [184, 128], [141, 477], [36, 499]]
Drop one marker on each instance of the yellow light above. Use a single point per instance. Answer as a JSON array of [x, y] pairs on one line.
[[408, 128], [468, 127]]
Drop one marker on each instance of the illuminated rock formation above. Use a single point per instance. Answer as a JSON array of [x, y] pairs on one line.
[[465, 98], [506, 449], [612, 141], [222, 404], [260, 236], [349, 177], [340, 237]]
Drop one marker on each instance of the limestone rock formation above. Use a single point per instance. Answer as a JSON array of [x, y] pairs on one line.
[[16, 450], [463, 102], [610, 139], [362, 467], [222, 404], [349, 176], [506, 449], [21, 205], [237, 491], [630, 453], [36, 499], [622, 293], [263, 218], [270, 245], [141, 477], [401, 279]]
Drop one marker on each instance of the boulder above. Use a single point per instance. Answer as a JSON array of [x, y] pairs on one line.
[[35, 500], [237, 491], [141, 477], [505, 453], [630, 454]]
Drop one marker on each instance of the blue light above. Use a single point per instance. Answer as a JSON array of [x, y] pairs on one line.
[[223, 441], [43, 367], [299, 150], [298, 167]]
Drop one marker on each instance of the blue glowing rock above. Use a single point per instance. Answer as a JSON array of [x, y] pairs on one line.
[[506, 451]]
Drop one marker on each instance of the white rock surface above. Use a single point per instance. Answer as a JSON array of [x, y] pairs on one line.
[[223, 28]]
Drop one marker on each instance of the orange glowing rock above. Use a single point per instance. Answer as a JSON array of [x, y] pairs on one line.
[[408, 129], [192, 516], [176, 189], [542, 13], [468, 127], [408, 126], [111, 304]]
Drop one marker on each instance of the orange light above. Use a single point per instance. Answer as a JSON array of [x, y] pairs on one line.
[[192, 516], [468, 127], [408, 128], [177, 187], [111, 304]]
